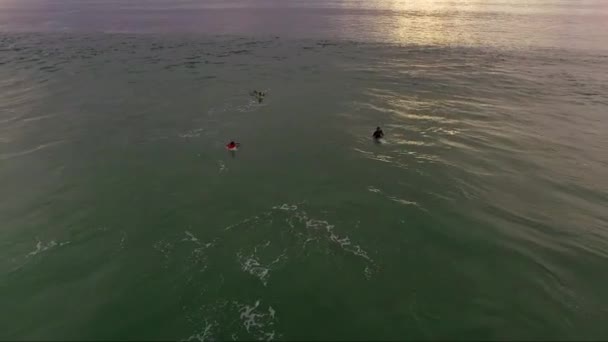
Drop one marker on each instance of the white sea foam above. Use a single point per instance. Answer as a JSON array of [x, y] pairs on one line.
[[364, 152], [36, 118], [205, 334], [368, 272], [191, 133], [253, 267], [375, 156], [222, 166], [395, 199], [191, 237], [286, 207], [250, 106], [402, 201], [198, 256], [324, 227], [259, 323], [382, 158], [373, 189], [165, 248], [43, 247], [308, 230], [7, 156], [249, 221], [252, 264]]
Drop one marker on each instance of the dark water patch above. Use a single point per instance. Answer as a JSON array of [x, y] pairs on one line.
[[240, 52], [191, 65], [326, 43], [233, 52], [50, 69], [252, 44], [133, 71]]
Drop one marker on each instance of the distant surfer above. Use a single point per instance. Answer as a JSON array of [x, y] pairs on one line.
[[378, 134], [259, 95], [233, 146]]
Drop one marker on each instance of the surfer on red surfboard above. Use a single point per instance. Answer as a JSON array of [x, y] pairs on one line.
[[233, 146]]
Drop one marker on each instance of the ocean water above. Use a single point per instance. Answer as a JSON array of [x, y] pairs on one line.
[[484, 215]]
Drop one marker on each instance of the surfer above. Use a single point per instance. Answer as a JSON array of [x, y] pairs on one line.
[[259, 95], [233, 145], [378, 134]]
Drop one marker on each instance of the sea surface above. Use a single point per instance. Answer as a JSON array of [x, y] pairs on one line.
[[483, 214]]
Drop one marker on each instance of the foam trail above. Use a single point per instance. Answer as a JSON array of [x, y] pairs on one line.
[[191, 237], [258, 322], [222, 166], [252, 265], [32, 150], [205, 334], [195, 133], [42, 247]]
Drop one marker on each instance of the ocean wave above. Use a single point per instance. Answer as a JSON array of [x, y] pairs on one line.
[[42, 247], [395, 198], [41, 147], [194, 133]]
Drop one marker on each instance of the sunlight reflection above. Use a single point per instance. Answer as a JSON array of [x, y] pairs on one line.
[[430, 22]]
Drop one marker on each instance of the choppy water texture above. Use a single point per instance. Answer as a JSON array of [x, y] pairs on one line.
[[483, 215]]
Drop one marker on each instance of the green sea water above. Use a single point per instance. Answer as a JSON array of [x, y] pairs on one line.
[[123, 217]]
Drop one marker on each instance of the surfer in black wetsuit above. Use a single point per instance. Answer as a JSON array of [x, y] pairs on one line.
[[378, 134]]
